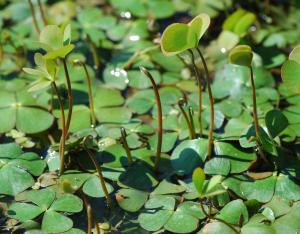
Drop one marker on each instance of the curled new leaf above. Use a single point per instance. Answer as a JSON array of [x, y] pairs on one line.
[[241, 55], [179, 37], [199, 179]]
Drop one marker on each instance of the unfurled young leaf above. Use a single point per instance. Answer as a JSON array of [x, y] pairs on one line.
[[179, 37], [56, 41], [46, 71], [199, 179], [241, 55]]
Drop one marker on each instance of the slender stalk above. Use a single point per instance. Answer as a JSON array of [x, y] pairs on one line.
[[255, 117], [33, 17], [191, 113], [159, 118], [94, 51], [52, 101], [42, 12], [70, 98], [199, 85], [126, 147], [89, 213], [90, 92], [63, 134], [211, 101], [99, 171], [181, 102]]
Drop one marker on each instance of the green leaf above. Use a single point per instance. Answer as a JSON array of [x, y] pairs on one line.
[[287, 187], [290, 73], [241, 55], [276, 122], [166, 187], [239, 160], [198, 179], [43, 197], [92, 187], [113, 114], [67, 203], [14, 180], [261, 190], [217, 166], [157, 212], [191, 208], [233, 212], [54, 222], [24, 211], [131, 199], [52, 36], [179, 37], [139, 176], [295, 54], [257, 224], [188, 155], [181, 222], [216, 227]]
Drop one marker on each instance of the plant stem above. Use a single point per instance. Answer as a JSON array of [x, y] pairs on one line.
[[191, 113], [199, 85], [91, 100], [181, 101], [94, 51], [88, 212], [42, 12], [99, 171], [159, 118], [255, 117], [63, 134], [125, 145], [70, 98], [33, 17], [211, 101]]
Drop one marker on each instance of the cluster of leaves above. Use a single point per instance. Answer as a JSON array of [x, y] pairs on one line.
[[248, 184]]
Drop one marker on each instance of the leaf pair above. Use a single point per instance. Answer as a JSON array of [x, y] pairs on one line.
[[46, 71], [179, 37]]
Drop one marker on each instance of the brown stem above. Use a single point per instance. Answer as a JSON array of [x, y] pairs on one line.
[[99, 171], [159, 118], [89, 213], [126, 147], [255, 117], [211, 101], [94, 51], [33, 17], [42, 13], [90, 92], [181, 102], [191, 113], [52, 101], [199, 85], [70, 98], [63, 134]]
